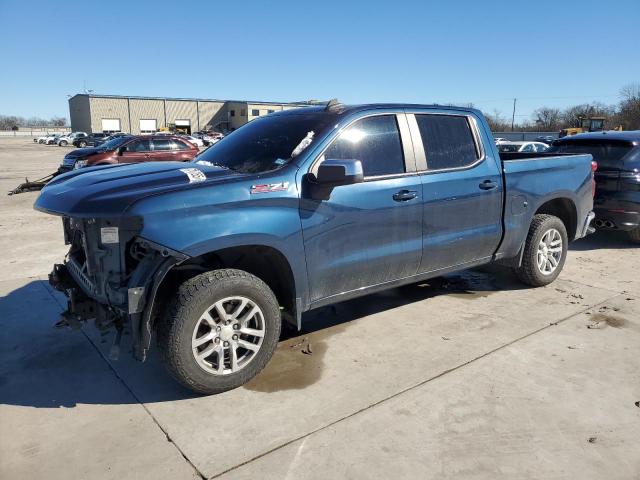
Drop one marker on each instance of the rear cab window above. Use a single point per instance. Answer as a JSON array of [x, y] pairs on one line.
[[448, 141], [610, 154]]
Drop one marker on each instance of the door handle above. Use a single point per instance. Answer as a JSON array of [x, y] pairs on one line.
[[404, 195], [488, 185]]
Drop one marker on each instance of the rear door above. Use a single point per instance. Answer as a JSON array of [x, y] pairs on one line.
[[462, 190], [163, 150]]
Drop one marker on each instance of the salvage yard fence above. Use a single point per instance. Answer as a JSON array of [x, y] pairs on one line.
[[33, 131]]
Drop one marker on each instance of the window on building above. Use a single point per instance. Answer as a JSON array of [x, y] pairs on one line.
[[375, 141], [255, 112], [163, 144], [448, 141], [270, 111], [232, 113]]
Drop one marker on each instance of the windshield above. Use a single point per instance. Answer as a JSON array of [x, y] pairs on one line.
[[608, 154], [113, 143], [267, 143]]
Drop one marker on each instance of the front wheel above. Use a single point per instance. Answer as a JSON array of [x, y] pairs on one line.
[[545, 251], [221, 329], [82, 144], [63, 143]]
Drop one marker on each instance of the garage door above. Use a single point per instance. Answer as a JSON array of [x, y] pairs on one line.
[[110, 124], [183, 123], [148, 126]]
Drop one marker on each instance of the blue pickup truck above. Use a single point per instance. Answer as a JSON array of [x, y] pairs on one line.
[[300, 209]]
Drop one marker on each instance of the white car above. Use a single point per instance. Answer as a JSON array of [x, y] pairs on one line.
[[69, 139], [44, 138], [524, 147], [194, 140], [500, 140]]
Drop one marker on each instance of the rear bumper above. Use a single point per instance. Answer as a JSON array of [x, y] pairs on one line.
[[586, 227], [617, 219]]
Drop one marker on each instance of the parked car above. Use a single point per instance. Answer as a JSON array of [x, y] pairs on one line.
[[617, 201], [296, 210], [131, 149], [548, 139], [500, 140], [65, 140], [111, 136], [198, 142], [90, 140], [523, 147], [43, 138], [53, 139]]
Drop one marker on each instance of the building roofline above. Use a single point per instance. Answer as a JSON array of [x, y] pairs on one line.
[[134, 97]]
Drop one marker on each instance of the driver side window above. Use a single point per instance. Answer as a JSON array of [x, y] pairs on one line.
[[375, 141]]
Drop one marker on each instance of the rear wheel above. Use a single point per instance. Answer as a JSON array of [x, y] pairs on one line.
[[221, 330], [82, 144], [545, 251], [634, 235]]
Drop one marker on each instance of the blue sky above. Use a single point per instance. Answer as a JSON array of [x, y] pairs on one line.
[[553, 53]]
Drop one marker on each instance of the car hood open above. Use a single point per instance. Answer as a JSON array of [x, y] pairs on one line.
[[108, 191]]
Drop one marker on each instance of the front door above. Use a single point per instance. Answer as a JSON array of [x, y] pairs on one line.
[[367, 233], [462, 189]]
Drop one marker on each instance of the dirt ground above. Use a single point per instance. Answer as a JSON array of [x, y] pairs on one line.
[[467, 376]]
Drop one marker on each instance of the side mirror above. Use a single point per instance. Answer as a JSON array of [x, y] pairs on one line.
[[331, 174], [121, 150]]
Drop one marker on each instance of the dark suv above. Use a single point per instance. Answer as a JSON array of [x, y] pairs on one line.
[[617, 200], [131, 149], [90, 140]]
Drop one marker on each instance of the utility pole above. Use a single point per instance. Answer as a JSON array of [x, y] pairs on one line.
[[513, 115]]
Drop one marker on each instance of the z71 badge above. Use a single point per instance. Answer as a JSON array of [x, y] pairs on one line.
[[269, 187]]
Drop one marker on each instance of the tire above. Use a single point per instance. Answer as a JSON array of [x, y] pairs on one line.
[[184, 320], [63, 143], [82, 144], [529, 271], [634, 235]]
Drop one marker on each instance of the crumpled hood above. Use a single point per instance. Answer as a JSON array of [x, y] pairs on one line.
[[108, 191], [83, 152]]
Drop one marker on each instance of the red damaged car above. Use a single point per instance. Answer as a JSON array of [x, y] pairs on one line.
[[131, 149]]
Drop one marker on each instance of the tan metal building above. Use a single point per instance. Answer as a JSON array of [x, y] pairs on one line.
[[114, 113]]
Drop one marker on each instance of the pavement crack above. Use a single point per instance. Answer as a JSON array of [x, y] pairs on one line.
[[122, 381], [415, 386]]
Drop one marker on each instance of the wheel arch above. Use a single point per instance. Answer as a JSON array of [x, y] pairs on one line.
[[565, 209]]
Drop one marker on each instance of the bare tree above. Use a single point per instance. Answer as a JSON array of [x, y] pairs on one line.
[[547, 118], [629, 110], [497, 122]]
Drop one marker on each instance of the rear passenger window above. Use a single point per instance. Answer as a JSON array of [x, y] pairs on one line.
[[180, 145], [375, 141], [448, 141], [162, 144]]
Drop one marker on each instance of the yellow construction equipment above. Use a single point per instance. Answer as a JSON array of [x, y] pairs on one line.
[[587, 124]]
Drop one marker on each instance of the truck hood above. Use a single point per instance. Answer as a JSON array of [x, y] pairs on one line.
[[108, 191]]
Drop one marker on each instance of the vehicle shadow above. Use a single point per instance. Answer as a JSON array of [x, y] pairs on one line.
[[610, 239], [43, 367]]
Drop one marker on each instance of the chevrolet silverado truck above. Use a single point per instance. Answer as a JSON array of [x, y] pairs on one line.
[[297, 210]]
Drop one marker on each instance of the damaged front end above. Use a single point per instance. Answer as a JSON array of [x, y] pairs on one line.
[[111, 276]]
